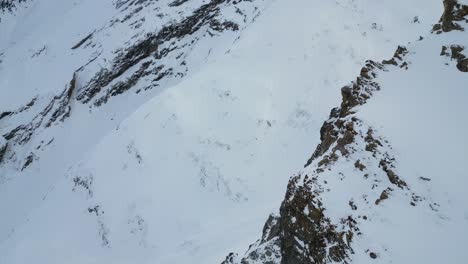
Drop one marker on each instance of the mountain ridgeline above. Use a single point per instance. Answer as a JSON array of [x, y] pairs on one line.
[[302, 232]]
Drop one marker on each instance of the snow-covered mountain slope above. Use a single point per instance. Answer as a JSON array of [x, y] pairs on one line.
[[387, 182], [166, 131], [56, 68]]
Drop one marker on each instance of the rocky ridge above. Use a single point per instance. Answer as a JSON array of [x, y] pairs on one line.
[[309, 227]]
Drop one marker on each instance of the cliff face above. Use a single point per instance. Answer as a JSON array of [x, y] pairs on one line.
[[355, 182]]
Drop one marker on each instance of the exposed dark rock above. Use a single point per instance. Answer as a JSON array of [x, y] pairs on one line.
[[58, 109], [85, 182], [327, 160], [346, 139], [95, 210], [20, 110], [265, 250], [81, 42], [304, 233], [301, 233], [29, 160], [383, 196], [178, 2], [371, 143], [3, 149], [150, 50], [9, 5], [144, 60], [462, 65], [386, 165], [454, 13], [455, 52], [5, 114], [123, 86], [399, 54], [359, 165], [63, 108], [271, 228], [230, 259], [352, 95], [415, 199]]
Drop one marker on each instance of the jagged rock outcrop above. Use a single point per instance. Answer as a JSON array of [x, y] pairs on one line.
[[265, 250], [303, 233], [148, 54], [353, 95], [57, 109], [453, 17], [455, 52], [305, 230]]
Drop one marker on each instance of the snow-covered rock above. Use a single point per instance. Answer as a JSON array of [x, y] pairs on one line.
[[3, 147], [9, 5], [398, 198]]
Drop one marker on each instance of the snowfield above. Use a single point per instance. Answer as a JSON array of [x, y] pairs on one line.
[[181, 157]]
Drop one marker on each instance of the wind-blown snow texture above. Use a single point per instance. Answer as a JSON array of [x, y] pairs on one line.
[[166, 132]]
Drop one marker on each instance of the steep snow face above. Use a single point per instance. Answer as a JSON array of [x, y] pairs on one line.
[[170, 128], [386, 182], [49, 119]]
